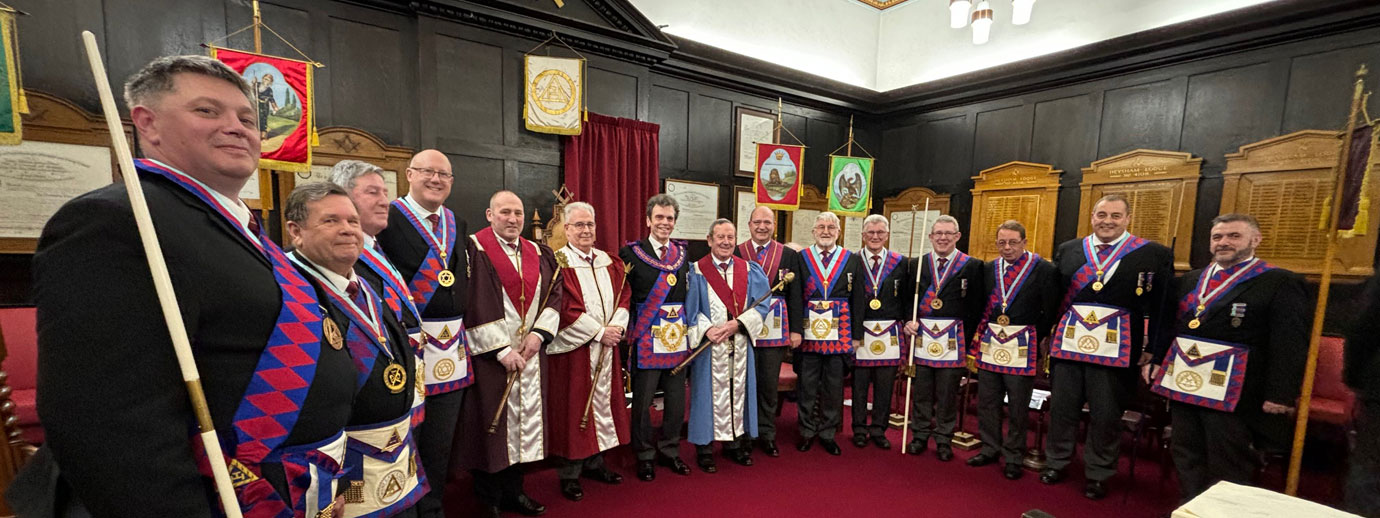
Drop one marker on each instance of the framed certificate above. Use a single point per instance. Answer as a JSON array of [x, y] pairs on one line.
[[743, 204], [750, 127], [699, 207]]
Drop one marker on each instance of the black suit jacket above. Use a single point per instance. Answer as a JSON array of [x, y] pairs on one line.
[[1152, 262], [855, 292], [1036, 304], [374, 403], [644, 275], [110, 394], [409, 321], [959, 301], [790, 261], [407, 249], [894, 291]]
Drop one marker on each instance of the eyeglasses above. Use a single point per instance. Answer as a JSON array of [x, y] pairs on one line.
[[1010, 243], [583, 225], [938, 233], [876, 233], [428, 172]]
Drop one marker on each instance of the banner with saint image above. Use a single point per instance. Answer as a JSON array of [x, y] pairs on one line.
[[282, 91], [778, 182], [850, 185]]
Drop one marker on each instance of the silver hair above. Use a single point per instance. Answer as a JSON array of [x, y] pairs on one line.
[[944, 218], [345, 172], [663, 200], [571, 207], [877, 218], [716, 224], [826, 215], [295, 210], [156, 78]]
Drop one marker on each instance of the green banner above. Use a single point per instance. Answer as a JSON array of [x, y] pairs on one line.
[[850, 185], [11, 103]]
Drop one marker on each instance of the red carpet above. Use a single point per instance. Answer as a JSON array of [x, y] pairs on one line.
[[861, 482]]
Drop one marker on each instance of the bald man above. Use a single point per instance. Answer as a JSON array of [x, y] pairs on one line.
[[420, 240], [784, 322]]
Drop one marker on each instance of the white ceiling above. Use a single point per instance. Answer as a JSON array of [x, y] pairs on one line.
[[911, 43]]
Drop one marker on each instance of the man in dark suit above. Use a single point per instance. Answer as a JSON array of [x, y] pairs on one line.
[[112, 400], [1362, 374], [834, 302], [1113, 283], [659, 337], [783, 325], [889, 284], [420, 240], [1022, 300], [1234, 361], [950, 304]]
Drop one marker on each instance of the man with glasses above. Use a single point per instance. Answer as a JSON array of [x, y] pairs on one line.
[[950, 304], [889, 284], [1022, 300], [834, 302], [784, 322], [420, 240]]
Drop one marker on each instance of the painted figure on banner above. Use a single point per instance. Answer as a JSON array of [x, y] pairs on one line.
[[778, 180], [282, 95], [784, 322]]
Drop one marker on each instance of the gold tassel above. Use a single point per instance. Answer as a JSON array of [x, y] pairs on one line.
[[23, 102]]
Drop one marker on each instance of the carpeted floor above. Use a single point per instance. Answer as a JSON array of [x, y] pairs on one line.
[[861, 482]]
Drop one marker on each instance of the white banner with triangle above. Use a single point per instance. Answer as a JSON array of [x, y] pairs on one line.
[[554, 93]]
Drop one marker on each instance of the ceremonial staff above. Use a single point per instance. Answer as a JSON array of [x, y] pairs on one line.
[[513, 376], [786, 279], [162, 283], [599, 367], [914, 316]]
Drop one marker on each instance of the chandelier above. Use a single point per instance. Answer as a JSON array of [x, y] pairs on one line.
[[962, 13]]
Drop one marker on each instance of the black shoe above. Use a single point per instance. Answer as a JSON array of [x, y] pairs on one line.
[[1012, 471], [981, 459], [859, 440], [1051, 476], [571, 490], [740, 456], [881, 442], [769, 447], [830, 446], [1095, 490], [706, 462], [917, 446], [944, 453], [492, 511], [646, 471], [604, 475], [525, 506], [805, 444], [676, 465]]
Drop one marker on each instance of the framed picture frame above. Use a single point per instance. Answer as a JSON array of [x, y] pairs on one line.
[[750, 126], [744, 202], [699, 207]]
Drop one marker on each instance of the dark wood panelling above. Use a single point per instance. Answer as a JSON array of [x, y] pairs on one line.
[[1065, 136], [292, 22], [1146, 116], [470, 105], [1320, 86], [825, 136], [671, 110], [1232, 107], [534, 183], [369, 73], [51, 53], [1002, 136], [139, 30], [476, 179], [616, 94], [897, 171], [711, 140]]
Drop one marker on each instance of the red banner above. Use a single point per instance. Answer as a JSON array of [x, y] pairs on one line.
[[779, 175], [282, 92]]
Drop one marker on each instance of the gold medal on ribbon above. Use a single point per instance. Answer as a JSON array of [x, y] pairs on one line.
[[1003, 320], [395, 378], [671, 279], [1193, 324], [446, 278], [875, 304], [936, 304], [1140, 291], [1097, 286], [332, 334]]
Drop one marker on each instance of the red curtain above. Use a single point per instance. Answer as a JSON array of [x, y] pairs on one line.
[[613, 165]]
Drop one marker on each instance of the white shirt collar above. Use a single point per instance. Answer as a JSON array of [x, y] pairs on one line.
[[756, 244], [578, 253], [1216, 267], [419, 208], [508, 246], [949, 255], [336, 281], [870, 253], [656, 244], [717, 262], [237, 208], [1124, 235], [368, 241]]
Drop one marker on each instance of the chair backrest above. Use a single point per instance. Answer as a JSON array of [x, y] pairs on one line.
[[1328, 381], [21, 343]]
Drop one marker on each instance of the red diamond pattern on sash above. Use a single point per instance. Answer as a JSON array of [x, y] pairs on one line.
[[1009, 277], [1085, 275], [423, 283]]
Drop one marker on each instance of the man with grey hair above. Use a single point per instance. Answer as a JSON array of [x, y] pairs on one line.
[[582, 361], [659, 338], [888, 284], [834, 302], [123, 444]]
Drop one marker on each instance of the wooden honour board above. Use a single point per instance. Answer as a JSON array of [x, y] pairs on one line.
[[1162, 189], [901, 204], [1284, 182], [54, 119], [344, 143], [1023, 191]]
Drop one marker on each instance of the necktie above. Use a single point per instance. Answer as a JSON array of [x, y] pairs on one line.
[[435, 221], [253, 225], [1217, 278], [724, 268], [589, 259], [828, 256], [661, 252], [761, 251], [943, 262], [1102, 250], [876, 264], [352, 290]]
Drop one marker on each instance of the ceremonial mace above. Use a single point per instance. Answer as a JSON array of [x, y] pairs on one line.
[[914, 317], [599, 367], [785, 279], [162, 283], [513, 376]]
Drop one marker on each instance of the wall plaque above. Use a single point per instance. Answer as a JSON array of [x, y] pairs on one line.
[[897, 211], [1023, 191], [1162, 188]]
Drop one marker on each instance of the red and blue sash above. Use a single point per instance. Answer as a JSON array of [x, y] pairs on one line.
[[1088, 273], [770, 261], [1236, 275], [273, 399], [424, 283], [820, 283], [1010, 278], [874, 285], [649, 312], [820, 280], [366, 334], [396, 294], [938, 279]]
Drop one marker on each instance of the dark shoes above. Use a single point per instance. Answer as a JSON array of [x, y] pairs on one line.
[[1051, 476], [742, 456], [706, 462], [1095, 490], [604, 475], [917, 446], [525, 506], [805, 444], [674, 464], [769, 447], [1012, 471], [572, 490], [881, 442], [646, 471], [944, 453], [981, 459], [859, 440], [830, 446]]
